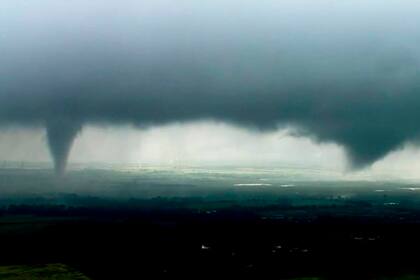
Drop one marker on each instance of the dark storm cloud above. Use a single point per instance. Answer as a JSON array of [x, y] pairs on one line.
[[347, 73]]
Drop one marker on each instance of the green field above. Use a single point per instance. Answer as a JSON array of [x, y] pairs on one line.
[[64, 272]]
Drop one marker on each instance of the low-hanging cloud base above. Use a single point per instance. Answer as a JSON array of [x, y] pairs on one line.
[[335, 72]]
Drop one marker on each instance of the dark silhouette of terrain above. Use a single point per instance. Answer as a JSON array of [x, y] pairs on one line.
[[129, 241]]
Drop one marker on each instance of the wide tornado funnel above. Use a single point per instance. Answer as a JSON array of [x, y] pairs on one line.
[[61, 134]]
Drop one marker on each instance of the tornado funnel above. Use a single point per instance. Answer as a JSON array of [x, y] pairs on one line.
[[61, 134]]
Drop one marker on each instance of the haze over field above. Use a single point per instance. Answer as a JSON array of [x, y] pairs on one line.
[[332, 71]]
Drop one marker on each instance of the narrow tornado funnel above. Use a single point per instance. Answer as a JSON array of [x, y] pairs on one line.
[[61, 134]]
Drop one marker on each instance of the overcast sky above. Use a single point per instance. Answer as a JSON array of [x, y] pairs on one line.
[[342, 75]]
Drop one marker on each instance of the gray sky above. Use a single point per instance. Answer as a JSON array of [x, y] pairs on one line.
[[343, 72]]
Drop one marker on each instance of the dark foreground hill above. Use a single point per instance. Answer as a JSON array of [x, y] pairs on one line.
[[44, 272]]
